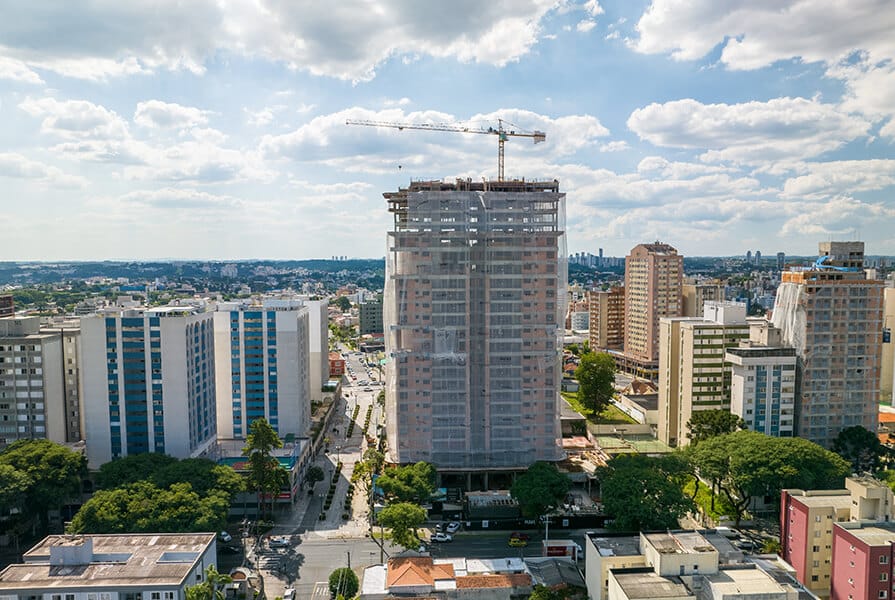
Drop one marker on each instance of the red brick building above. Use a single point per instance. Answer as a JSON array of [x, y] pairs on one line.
[[336, 365]]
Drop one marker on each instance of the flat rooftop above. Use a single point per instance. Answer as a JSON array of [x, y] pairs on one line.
[[838, 499], [157, 559], [645, 584], [874, 535], [628, 545], [744, 579], [684, 542]]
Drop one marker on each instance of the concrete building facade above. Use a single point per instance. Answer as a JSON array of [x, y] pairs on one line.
[[833, 316], [695, 295], [32, 390], [371, 317], [862, 561], [149, 382], [692, 373], [887, 356], [318, 329], [7, 306], [262, 367], [474, 304], [763, 383], [607, 318], [653, 280]]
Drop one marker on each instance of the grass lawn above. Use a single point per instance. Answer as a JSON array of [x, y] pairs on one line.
[[609, 416], [704, 500]]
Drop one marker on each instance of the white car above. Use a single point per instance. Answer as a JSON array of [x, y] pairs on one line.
[[289, 594], [225, 537], [278, 542], [441, 537], [452, 527]]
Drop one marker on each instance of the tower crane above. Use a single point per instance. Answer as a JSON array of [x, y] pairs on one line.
[[501, 132]]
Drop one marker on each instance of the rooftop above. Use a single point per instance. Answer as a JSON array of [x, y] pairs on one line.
[[743, 579], [416, 571], [627, 545], [643, 583], [877, 534], [60, 561], [684, 542], [837, 499], [494, 581]]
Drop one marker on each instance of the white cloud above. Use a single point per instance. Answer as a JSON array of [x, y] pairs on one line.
[[613, 35], [751, 132], [615, 146], [585, 25], [593, 8], [167, 115], [20, 167], [16, 70], [347, 39], [841, 177], [837, 216], [259, 118], [76, 119], [399, 102], [180, 198], [758, 33]]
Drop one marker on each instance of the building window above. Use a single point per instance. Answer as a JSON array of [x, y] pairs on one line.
[[883, 594], [884, 577], [883, 560]]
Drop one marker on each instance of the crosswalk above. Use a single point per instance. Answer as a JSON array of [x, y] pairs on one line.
[[321, 591]]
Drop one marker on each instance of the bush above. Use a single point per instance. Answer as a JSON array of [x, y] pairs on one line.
[[345, 516], [343, 582]]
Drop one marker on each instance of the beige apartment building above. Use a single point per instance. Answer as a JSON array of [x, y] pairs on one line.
[[695, 295], [653, 279], [607, 318], [833, 316], [475, 297], [692, 373], [887, 370]]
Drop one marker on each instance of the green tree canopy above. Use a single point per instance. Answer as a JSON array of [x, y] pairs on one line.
[[410, 483], [642, 493], [403, 518], [343, 582], [14, 485], [143, 507], [747, 463], [596, 380], [54, 473], [212, 588], [861, 448], [705, 424], [314, 475], [266, 475], [343, 303], [202, 474], [541, 488]]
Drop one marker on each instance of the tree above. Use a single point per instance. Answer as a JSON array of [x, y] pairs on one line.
[[542, 592], [14, 485], [55, 474], [540, 489], [861, 448], [266, 475], [314, 475], [705, 424], [374, 458], [410, 483], [131, 469], [343, 582], [642, 493], [210, 589], [143, 507], [343, 303], [403, 518], [747, 463], [596, 380]]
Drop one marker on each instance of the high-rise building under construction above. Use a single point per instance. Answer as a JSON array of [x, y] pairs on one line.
[[475, 295], [833, 316]]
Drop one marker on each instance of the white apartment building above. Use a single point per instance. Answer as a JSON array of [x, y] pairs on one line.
[[149, 382], [32, 390], [262, 366]]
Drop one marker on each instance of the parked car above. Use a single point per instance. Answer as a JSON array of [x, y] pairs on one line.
[[278, 542], [225, 537], [289, 594], [368, 389], [442, 537], [452, 527]]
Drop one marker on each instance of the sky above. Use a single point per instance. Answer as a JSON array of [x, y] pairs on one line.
[[216, 129]]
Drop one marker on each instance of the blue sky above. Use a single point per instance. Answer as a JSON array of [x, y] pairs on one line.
[[215, 129]]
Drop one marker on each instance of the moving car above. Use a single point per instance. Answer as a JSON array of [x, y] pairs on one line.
[[518, 540], [452, 527], [441, 537], [368, 389]]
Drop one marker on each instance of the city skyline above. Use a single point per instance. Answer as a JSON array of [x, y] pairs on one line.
[[217, 130]]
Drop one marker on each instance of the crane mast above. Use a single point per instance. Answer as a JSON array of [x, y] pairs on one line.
[[502, 133]]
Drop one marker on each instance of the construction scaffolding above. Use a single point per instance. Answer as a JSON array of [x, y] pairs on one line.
[[474, 302]]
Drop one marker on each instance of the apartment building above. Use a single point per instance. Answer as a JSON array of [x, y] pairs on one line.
[[807, 519], [32, 384], [607, 319], [7, 306], [863, 558], [474, 304], [653, 280], [318, 336], [262, 367], [154, 566], [833, 316], [149, 382], [371, 317], [763, 383], [692, 373], [887, 357], [695, 295]]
